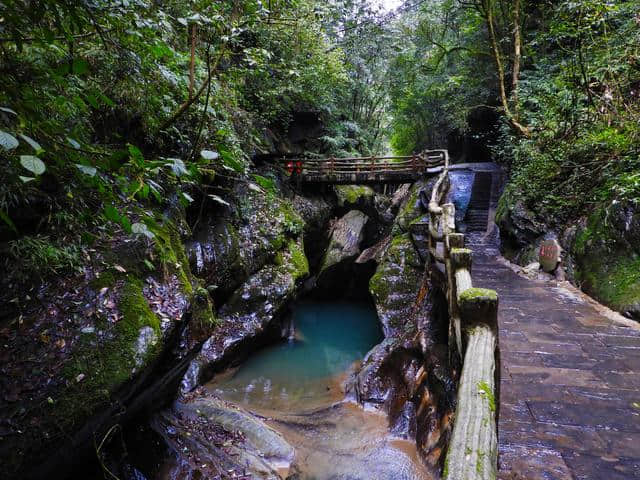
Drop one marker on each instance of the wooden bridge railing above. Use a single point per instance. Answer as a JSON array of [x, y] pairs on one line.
[[356, 169], [473, 449]]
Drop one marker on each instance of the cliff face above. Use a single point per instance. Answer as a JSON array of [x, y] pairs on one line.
[[601, 248]]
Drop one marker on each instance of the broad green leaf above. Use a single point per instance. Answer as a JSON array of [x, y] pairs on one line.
[[125, 223], [209, 154], [26, 179], [265, 182], [111, 213], [74, 143], [35, 145], [33, 164], [93, 101], [87, 169], [8, 142], [230, 162], [218, 199], [142, 229]]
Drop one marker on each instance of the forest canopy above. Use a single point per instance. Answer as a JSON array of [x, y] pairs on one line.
[[109, 109]]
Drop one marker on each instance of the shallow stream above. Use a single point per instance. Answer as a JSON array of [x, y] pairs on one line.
[[298, 386]]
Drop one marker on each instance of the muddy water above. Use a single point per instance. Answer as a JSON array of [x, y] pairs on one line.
[[298, 386]]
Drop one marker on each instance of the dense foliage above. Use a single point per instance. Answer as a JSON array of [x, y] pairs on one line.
[[111, 111], [570, 74]]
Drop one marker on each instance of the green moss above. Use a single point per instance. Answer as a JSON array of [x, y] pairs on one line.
[[484, 388], [378, 286], [105, 365], [171, 251], [479, 462], [473, 294], [202, 318], [298, 259], [606, 268], [104, 279], [351, 194]]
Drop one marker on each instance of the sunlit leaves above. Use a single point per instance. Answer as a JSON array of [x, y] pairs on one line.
[[33, 164], [8, 141], [35, 145], [209, 154]]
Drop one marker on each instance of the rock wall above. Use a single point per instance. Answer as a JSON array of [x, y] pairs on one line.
[[601, 250], [408, 375], [94, 350]]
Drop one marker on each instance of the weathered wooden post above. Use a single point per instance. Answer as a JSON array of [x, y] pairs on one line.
[[473, 450]]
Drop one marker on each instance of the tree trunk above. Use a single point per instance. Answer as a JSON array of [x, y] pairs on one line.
[[487, 10]]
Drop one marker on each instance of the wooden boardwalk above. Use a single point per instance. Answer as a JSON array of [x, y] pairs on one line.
[[570, 378]]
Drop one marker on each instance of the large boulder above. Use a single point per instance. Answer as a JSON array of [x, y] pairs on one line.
[[89, 354], [519, 226], [344, 247]]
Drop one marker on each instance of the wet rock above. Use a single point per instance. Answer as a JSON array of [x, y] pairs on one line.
[[344, 247], [408, 374], [355, 196], [346, 236], [518, 225], [90, 352], [210, 437], [606, 262], [251, 316], [395, 285]]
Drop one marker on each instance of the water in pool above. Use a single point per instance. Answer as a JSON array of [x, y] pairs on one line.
[[307, 371]]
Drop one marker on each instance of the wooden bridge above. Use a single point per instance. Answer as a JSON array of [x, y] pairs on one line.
[[366, 170]]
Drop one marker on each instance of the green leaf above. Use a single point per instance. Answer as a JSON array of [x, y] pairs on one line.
[[35, 145], [111, 213], [87, 169], [8, 142], [93, 101], [135, 155], [230, 162], [26, 179], [141, 229], [125, 223], [8, 221], [209, 154], [8, 110], [74, 143], [265, 182], [187, 197], [80, 67], [33, 164]]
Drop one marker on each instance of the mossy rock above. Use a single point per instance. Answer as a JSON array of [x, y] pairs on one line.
[[351, 195], [607, 265]]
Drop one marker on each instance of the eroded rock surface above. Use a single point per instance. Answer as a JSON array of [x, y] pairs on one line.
[[251, 316], [248, 446]]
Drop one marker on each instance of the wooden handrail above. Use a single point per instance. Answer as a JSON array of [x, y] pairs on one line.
[[338, 169], [473, 449]]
